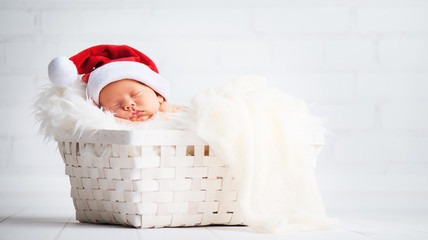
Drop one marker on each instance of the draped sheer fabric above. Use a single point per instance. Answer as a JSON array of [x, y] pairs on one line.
[[260, 132]]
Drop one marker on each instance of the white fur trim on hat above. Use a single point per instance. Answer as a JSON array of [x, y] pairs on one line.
[[115, 71]]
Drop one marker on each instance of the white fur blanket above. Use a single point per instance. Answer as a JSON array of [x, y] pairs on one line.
[[257, 130]]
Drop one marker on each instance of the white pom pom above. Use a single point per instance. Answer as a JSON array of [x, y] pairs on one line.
[[62, 72]]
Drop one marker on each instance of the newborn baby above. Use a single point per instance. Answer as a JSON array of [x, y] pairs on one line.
[[130, 100], [119, 79]]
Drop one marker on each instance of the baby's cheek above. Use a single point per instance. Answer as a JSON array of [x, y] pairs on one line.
[[121, 114]]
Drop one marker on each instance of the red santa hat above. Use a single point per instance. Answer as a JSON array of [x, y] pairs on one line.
[[104, 64]]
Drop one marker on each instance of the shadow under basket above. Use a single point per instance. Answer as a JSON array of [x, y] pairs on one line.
[[150, 178]]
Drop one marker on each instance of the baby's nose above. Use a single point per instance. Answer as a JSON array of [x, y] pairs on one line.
[[129, 105]]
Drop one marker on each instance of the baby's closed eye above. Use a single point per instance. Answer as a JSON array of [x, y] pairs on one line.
[[135, 94], [115, 106]]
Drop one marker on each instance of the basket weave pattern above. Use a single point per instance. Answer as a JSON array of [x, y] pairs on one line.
[[181, 185]]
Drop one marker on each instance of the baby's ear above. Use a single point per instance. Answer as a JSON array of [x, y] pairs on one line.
[[160, 98]]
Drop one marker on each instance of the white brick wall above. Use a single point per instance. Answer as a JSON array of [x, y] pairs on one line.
[[23, 22], [344, 116], [5, 151], [94, 22], [404, 54], [392, 20], [199, 21], [351, 54], [200, 56], [362, 65], [298, 20], [298, 54], [368, 148], [245, 54], [318, 87], [27, 57], [392, 87], [405, 116]]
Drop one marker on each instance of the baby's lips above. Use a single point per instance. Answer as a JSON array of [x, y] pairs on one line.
[[132, 115], [136, 114]]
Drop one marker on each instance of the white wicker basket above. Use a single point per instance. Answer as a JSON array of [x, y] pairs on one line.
[[183, 185]]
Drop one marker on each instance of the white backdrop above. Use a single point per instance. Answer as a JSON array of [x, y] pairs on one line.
[[361, 65]]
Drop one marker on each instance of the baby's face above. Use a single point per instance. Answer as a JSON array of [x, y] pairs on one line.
[[131, 100]]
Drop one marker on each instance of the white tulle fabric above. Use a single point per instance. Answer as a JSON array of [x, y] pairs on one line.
[[257, 130], [261, 133]]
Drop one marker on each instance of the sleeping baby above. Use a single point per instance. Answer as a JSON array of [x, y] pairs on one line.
[[120, 79]]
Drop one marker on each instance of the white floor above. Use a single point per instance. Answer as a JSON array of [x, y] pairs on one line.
[[38, 206]]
